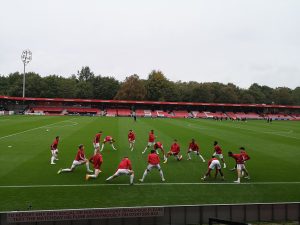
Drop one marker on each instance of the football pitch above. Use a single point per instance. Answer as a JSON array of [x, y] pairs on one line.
[[28, 181]]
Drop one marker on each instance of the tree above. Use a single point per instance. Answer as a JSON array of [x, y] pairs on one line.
[[34, 85], [4, 85], [105, 87], [296, 96], [283, 96], [132, 89], [256, 92], [85, 74], [156, 86]]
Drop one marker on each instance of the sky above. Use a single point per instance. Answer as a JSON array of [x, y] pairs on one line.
[[241, 42]]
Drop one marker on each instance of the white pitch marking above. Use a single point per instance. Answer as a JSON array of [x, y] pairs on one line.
[[143, 184], [33, 129]]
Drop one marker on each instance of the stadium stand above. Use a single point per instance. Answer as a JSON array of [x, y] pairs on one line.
[[180, 114], [60, 106], [123, 112], [140, 113], [111, 112]]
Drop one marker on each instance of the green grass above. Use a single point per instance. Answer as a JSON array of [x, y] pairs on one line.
[[274, 150]]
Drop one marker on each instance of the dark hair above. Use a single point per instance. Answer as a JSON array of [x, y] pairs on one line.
[[153, 151], [80, 146], [215, 142], [100, 131], [229, 153], [57, 137], [242, 148]]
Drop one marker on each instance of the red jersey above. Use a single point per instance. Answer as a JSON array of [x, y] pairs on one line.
[[80, 155], [158, 145], [97, 138], [245, 155], [54, 144], [108, 138], [153, 159], [209, 162], [238, 158], [218, 149], [151, 137], [97, 160], [131, 136], [125, 164], [175, 148], [194, 146]]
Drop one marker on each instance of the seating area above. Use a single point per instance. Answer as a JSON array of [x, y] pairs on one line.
[[279, 116], [124, 112], [180, 114], [242, 115], [161, 113], [215, 115], [63, 110]]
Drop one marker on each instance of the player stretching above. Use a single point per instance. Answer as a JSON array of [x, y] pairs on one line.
[[151, 141], [54, 150], [240, 166], [175, 149], [218, 152], [97, 161], [159, 145], [110, 140], [79, 160], [131, 139], [245, 157], [194, 147], [213, 163], [96, 142], [124, 168], [153, 161]]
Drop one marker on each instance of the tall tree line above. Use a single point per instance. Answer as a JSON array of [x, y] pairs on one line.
[[155, 88]]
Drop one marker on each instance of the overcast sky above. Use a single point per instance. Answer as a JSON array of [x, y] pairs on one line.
[[225, 41]]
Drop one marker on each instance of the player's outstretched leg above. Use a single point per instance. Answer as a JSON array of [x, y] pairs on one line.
[[201, 157], [144, 175], [112, 145], [131, 177], [87, 164], [161, 175], [102, 147]]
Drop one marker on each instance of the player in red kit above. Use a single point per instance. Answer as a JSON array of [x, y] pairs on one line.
[[218, 152], [151, 141], [124, 168], [54, 150], [240, 166], [213, 163], [153, 163], [97, 160], [131, 139], [159, 145], [194, 147], [110, 140], [175, 149], [245, 155], [80, 159], [96, 141]]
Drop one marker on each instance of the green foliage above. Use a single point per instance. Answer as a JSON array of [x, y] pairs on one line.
[[132, 89], [155, 88]]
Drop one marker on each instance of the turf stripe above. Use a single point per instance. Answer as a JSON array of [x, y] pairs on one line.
[[14, 134], [144, 184]]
